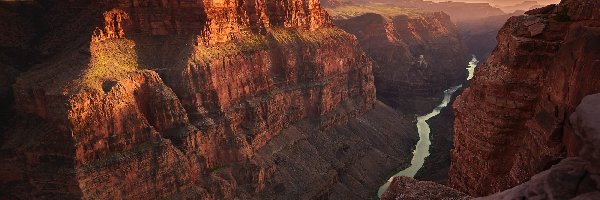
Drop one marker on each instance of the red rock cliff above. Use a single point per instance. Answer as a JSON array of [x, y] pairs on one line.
[[197, 100], [417, 54], [512, 122], [167, 93], [572, 178]]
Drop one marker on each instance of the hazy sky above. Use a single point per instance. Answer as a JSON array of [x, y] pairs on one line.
[[503, 2]]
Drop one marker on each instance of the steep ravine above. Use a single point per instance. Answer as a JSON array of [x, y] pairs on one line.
[[572, 178], [421, 162], [421, 150], [417, 54], [513, 121], [437, 164]]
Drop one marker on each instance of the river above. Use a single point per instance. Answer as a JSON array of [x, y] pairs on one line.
[[422, 149]]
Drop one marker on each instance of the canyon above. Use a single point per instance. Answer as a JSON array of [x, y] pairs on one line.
[[575, 177], [513, 120], [288, 99], [192, 100], [477, 22], [417, 54], [519, 123]]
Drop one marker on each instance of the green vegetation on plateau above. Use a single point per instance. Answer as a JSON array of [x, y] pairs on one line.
[[345, 12], [280, 37]]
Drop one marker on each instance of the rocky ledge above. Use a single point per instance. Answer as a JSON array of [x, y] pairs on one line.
[[406, 188], [513, 121], [573, 178]]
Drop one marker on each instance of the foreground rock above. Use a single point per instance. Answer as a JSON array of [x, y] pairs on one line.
[[198, 100], [512, 122], [572, 178], [405, 188]]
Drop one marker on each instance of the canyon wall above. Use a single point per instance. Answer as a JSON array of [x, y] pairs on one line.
[[480, 35], [573, 178], [417, 54], [197, 100], [512, 122], [458, 11]]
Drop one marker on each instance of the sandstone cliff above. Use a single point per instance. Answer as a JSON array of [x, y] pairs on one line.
[[512, 122], [572, 178], [417, 54], [186, 100], [458, 10]]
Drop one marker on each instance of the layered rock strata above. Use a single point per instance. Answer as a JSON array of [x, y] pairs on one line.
[[417, 54], [459, 11], [183, 99], [512, 122], [572, 178]]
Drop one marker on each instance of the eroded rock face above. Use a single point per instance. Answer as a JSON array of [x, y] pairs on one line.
[[512, 122], [572, 178], [406, 188], [417, 56], [459, 11], [167, 103]]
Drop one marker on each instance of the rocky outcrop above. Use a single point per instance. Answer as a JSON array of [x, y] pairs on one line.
[[198, 100], [512, 122], [417, 54], [344, 162], [458, 11], [407, 188], [572, 178]]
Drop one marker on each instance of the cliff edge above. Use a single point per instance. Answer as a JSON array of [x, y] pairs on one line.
[[195, 100], [512, 122]]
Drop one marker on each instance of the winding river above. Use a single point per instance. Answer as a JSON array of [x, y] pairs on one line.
[[422, 149]]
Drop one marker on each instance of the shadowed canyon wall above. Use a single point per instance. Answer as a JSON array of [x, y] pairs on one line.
[[512, 122], [572, 178], [416, 54], [197, 100]]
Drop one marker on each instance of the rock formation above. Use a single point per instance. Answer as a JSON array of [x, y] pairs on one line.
[[405, 188], [417, 54], [197, 100], [458, 10], [572, 178], [512, 122]]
